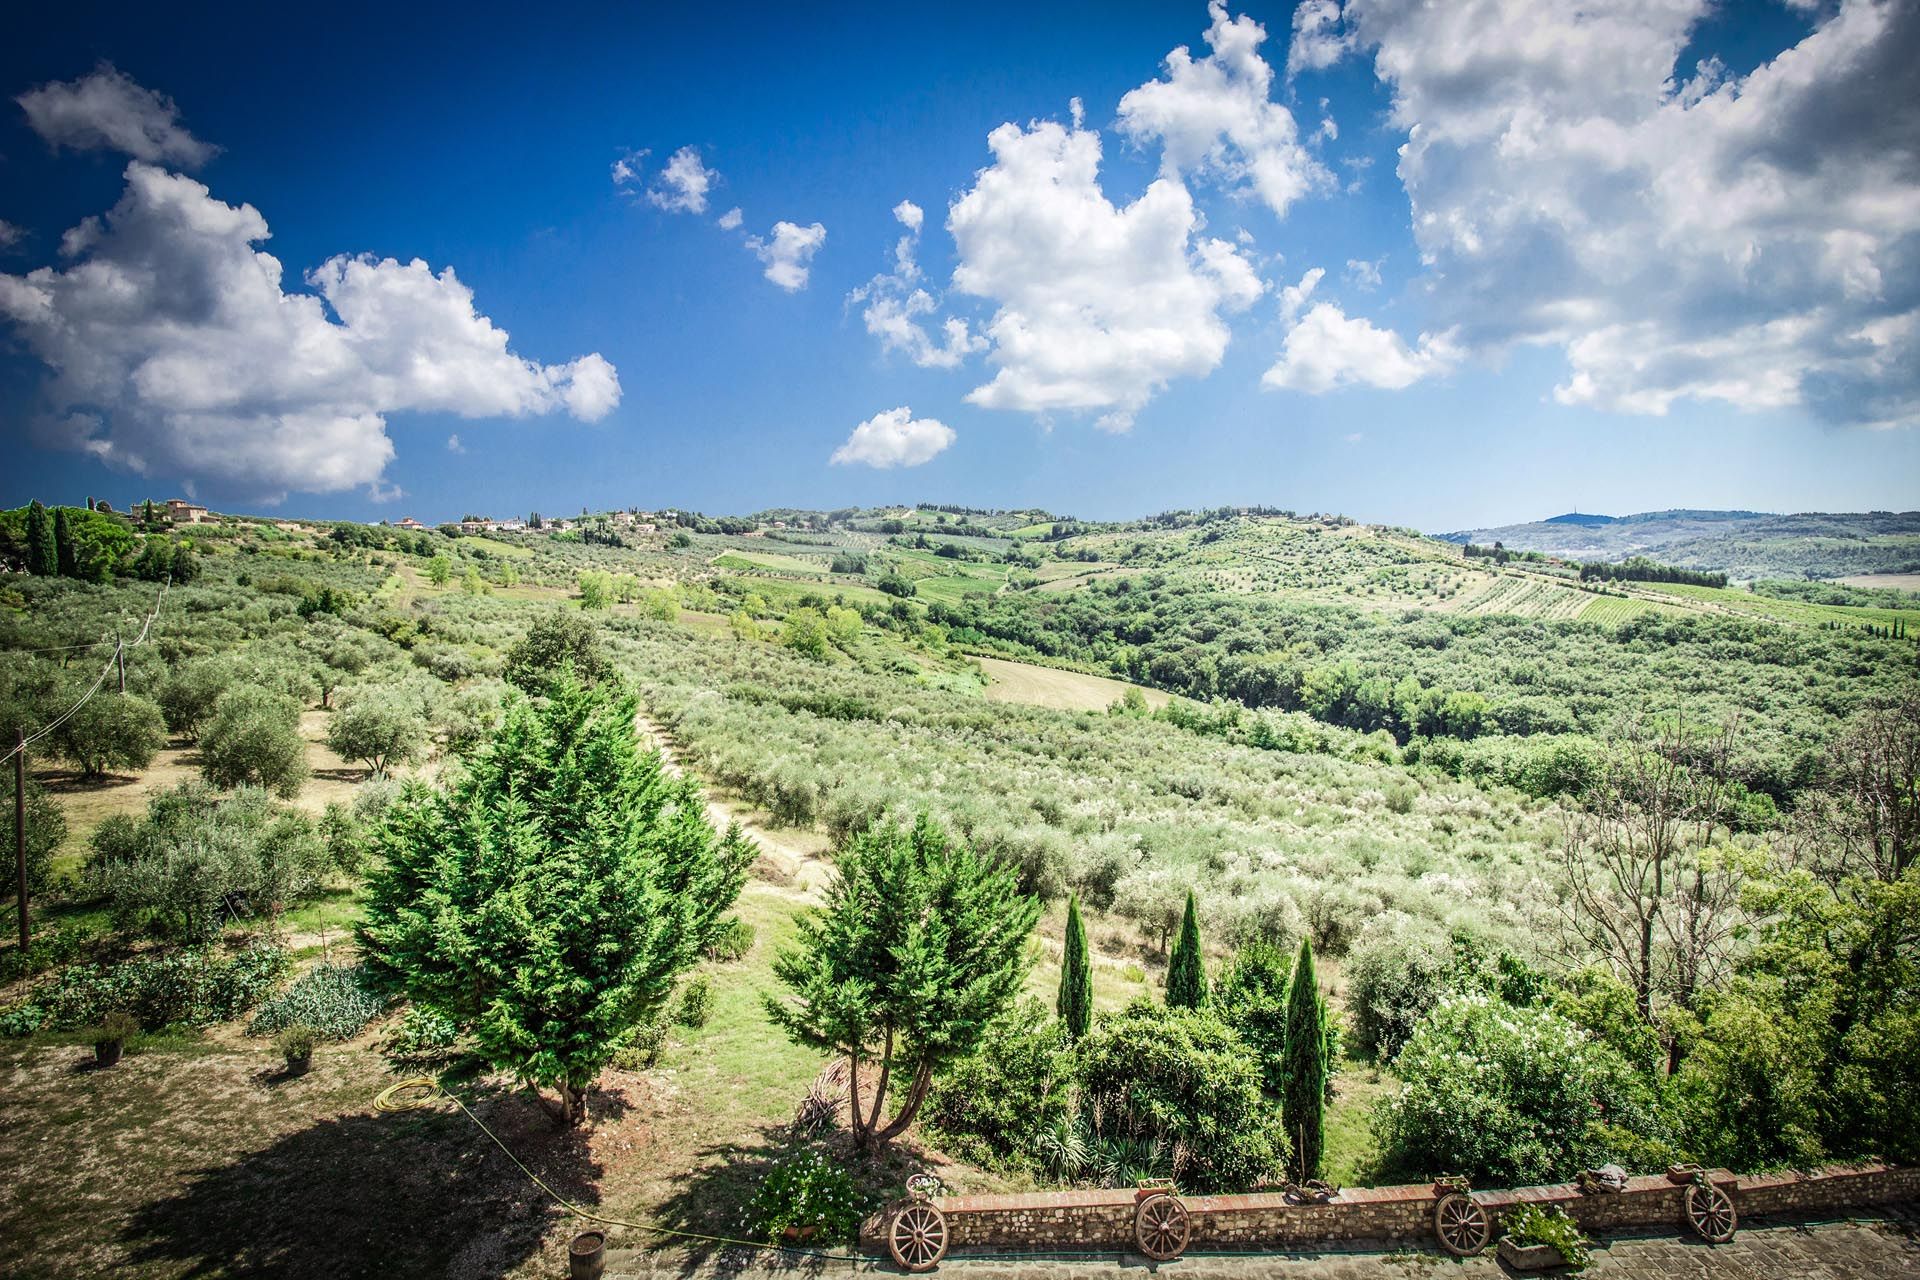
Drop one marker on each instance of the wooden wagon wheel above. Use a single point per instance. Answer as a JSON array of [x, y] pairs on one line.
[[1461, 1224], [918, 1237], [1710, 1213], [1160, 1226]]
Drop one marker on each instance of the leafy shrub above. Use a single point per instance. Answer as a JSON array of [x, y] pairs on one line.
[[1182, 1078], [336, 1001], [1396, 972], [422, 1035], [644, 1043], [810, 1192], [1001, 1103], [295, 1042], [696, 1002], [118, 1025], [1510, 1096], [1531, 1224], [732, 939], [191, 988], [199, 859]]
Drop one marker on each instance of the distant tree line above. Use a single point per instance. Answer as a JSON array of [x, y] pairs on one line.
[[1641, 569]]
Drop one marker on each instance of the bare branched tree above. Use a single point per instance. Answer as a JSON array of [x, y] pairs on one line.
[[1649, 886], [1863, 821]]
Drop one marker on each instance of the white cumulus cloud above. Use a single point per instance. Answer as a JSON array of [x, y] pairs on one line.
[[1318, 40], [1215, 117], [1678, 232], [1328, 349], [107, 110], [894, 439], [1098, 306], [894, 306], [682, 186], [175, 348], [729, 220], [788, 251]]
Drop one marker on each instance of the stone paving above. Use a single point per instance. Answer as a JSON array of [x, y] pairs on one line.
[[1878, 1246]]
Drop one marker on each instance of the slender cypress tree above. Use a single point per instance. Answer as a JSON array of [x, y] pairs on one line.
[[1303, 1102], [41, 559], [64, 558], [1076, 976], [1186, 972]]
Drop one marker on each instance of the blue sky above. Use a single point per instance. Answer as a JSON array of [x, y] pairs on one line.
[[1638, 283]]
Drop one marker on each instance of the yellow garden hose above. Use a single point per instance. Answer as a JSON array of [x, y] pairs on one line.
[[418, 1091]]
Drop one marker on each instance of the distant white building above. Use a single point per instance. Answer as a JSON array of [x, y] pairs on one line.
[[510, 526], [410, 523], [180, 511]]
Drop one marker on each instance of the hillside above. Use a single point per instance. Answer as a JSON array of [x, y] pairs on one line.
[[1350, 736], [1745, 545]]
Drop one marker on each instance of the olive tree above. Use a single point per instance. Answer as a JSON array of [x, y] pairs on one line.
[[379, 729], [253, 739], [46, 828], [112, 731]]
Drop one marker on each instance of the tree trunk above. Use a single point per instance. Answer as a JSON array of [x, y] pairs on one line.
[[570, 1111], [916, 1094], [855, 1116]]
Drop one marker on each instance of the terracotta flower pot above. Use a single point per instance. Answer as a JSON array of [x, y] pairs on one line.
[[587, 1255], [806, 1232]]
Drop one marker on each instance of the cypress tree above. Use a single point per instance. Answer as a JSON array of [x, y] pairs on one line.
[[1186, 973], [1303, 1102], [1076, 976], [65, 560], [41, 559]]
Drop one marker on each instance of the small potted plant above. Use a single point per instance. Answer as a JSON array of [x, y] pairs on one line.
[[110, 1038], [295, 1043], [1538, 1237]]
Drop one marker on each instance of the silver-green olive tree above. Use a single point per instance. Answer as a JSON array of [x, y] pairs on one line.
[[552, 892]]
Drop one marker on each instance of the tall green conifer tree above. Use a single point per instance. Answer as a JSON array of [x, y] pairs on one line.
[[66, 561], [1186, 972], [1303, 1099], [41, 557], [1076, 976]]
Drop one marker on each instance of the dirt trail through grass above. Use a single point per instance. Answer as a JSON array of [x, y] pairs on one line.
[[797, 858]]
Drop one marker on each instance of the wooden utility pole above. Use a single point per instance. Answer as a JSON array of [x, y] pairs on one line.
[[20, 832], [120, 660]]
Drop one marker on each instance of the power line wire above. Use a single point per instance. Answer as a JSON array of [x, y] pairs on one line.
[[100, 680]]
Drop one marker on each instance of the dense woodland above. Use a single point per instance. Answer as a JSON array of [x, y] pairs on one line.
[[1387, 888]]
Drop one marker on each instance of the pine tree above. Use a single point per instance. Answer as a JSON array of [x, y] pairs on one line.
[[920, 946], [66, 562], [550, 894], [1076, 976], [1303, 1101], [1186, 971], [41, 558]]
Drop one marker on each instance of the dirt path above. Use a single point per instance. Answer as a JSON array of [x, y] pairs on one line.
[[801, 870]]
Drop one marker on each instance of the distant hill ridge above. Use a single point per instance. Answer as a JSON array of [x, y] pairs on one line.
[[1743, 544]]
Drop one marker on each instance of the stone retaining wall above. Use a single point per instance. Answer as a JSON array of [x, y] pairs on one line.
[[1102, 1221]]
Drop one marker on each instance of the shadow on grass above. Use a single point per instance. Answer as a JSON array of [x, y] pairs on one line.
[[420, 1193]]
